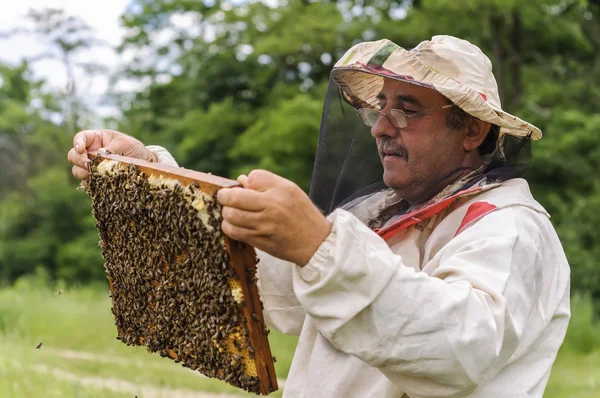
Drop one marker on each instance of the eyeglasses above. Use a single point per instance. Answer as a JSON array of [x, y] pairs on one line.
[[397, 117]]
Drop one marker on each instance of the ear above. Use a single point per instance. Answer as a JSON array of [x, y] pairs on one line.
[[477, 130]]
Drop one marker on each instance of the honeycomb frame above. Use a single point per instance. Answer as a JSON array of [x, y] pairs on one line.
[[164, 295]]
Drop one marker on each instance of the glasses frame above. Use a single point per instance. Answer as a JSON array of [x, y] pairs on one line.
[[392, 115]]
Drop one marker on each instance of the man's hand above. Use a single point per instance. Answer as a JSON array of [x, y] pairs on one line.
[[273, 215], [110, 140]]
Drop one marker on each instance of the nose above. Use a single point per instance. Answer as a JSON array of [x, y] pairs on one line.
[[382, 127]]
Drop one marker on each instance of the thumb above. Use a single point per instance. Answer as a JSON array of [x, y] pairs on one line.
[[262, 180], [243, 179], [110, 150], [107, 150]]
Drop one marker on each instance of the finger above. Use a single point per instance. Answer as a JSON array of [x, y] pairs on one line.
[[262, 180], [77, 159], [80, 173], [240, 218], [83, 139], [237, 233], [91, 140], [243, 179], [243, 199]]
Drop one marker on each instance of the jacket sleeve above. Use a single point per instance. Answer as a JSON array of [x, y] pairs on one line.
[[162, 155], [282, 310], [439, 335]]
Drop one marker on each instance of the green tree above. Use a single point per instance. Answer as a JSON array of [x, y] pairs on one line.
[[244, 87], [44, 221], [228, 87]]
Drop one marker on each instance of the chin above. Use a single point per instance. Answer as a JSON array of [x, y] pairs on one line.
[[397, 181]]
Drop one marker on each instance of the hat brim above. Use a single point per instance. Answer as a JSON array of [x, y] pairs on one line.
[[361, 83]]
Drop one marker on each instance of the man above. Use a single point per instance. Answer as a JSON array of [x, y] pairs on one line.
[[448, 279]]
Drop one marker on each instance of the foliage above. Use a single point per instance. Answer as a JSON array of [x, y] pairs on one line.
[[231, 86], [251, 76], [44, 222], [583, 336]]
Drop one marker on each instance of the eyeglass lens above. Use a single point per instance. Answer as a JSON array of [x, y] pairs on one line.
[[395, 116]]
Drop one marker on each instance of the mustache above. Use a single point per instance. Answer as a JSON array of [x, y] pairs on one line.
[[387, 145]]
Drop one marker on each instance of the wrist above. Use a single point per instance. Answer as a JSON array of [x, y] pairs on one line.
[[320, 237]]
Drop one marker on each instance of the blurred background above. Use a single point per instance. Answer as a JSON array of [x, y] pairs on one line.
[[229, 86]]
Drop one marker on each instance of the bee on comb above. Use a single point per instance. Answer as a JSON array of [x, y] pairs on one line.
[[179, 286]]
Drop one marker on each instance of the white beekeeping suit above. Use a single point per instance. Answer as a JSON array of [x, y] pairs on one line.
[[466, 295]]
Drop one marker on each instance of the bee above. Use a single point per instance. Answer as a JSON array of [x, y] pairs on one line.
[[37, 347], [169, 272]]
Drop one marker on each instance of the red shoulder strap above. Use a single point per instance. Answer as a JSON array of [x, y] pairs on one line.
[[475, 212], [416, 216]]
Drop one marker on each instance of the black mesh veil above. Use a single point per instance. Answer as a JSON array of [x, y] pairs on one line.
[[346, 160], [347, 164]]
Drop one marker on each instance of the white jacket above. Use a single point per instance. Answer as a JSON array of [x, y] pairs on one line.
[[472, 301]]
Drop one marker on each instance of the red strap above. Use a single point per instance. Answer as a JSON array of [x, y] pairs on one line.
[[419, 215], [475, 212], [414, 217]]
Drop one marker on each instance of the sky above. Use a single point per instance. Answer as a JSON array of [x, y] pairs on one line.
[[102, 16]]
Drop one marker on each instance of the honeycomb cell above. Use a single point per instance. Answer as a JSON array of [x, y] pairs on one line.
[[172, 289]]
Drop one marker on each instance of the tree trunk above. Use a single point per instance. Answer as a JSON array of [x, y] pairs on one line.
[[497, 30], [516, 59]]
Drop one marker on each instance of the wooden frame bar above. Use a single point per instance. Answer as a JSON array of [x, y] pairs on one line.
[[243, 261]]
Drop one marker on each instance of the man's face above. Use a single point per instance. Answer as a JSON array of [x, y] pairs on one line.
[[418, 158]]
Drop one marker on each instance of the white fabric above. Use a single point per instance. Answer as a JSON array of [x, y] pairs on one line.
[[162, 155], [427, 314]]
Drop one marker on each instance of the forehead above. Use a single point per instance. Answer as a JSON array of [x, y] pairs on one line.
[[394, 90]]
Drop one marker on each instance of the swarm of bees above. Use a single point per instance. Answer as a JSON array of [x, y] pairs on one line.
[[172, 288]]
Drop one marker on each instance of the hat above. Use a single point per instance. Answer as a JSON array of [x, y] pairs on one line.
[[455, 68]]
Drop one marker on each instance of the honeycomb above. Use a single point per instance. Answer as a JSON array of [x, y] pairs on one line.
[[173, 287]]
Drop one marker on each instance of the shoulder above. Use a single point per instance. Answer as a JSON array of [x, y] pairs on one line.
[[507, 213], [514, 238], [510, 201], [506, 225]]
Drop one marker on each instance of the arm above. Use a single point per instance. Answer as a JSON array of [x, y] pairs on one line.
[[439, 335], [276, 216]]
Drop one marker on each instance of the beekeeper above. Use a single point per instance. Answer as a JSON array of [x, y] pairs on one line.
[[435, 272]]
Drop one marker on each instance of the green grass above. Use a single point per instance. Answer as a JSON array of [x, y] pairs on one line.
[[153, 370], [576, 372], [18, 380], [80, 320], [575, 375]]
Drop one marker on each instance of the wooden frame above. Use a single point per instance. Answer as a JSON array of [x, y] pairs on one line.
[[242, 259]]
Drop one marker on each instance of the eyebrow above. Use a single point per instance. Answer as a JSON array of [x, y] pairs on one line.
[[402, 97]]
